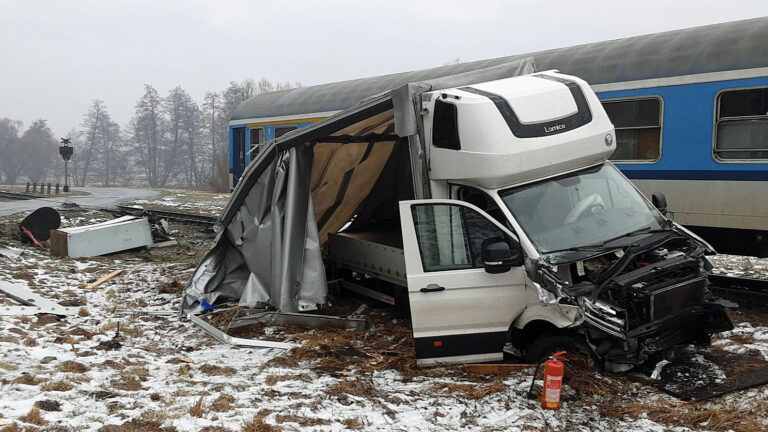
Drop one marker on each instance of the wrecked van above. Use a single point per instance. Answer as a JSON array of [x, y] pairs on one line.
[[485, 203]]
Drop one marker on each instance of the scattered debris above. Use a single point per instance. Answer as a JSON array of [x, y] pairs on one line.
[[230, 340], [37, 226], [103, 279], [32, 303], [120, 234]]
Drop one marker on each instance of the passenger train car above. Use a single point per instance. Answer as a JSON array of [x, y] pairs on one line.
[[690, 109]]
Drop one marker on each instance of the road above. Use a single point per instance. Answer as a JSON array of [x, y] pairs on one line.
[[98, 198]]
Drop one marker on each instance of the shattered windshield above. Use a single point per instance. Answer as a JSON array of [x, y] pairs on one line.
[[582, 208]]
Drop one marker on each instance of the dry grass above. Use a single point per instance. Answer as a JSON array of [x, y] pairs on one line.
[[26, 379], [258, 425], [172, 287], [217, 370], [13, 427], [197, 409], [356, 387], [59, 386], [302, 421], [83, 312], [34, 417], [470, 391], [139, 371], [8, 366], [73, 367], [692, 415], [352, 423], [271, 380], [127, 383], [125, 330], [223, 403]]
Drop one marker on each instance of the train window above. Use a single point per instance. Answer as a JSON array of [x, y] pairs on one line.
[[638, 129], [257, 137], [741, 130], [282, 130]]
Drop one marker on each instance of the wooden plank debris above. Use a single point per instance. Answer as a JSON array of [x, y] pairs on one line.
[[103, 279]]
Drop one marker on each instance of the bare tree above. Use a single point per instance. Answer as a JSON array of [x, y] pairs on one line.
[[183, 117], [215, 131], [40, 146], [147, 133], [13, 158]]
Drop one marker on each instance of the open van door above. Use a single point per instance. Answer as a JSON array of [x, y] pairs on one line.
[[466, 282]]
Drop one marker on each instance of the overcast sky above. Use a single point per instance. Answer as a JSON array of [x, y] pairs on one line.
[[57, 56]]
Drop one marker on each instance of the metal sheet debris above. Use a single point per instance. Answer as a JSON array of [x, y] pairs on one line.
[[117, 235], [33, 303], [301, 320], [235, 341]]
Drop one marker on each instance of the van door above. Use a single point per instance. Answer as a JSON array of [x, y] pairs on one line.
[[460, 312]]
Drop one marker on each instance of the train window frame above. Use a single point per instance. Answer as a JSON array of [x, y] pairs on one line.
[[261, 142], [716, 121], [290, 127], [662, 107]]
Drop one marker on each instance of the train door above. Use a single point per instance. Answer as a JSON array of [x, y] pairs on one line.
[[238, 162], [462, 300]]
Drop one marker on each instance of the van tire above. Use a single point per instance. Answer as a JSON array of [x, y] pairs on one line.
[[545, 346]]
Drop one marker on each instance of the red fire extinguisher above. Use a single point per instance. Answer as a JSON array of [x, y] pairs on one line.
[[553, 381]]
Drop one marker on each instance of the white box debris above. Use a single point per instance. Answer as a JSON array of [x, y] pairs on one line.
[[123, 233]]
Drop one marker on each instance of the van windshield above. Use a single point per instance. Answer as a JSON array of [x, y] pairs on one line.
[[581, 208]]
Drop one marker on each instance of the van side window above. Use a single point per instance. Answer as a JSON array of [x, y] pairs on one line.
[[741, 130], [445, 128], [638, 129], [483, 201], [450, 237]]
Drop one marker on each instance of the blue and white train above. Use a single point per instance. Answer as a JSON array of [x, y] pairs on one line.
[[690, 109]]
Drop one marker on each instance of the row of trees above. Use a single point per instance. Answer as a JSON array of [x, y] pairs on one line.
[[170, 141]]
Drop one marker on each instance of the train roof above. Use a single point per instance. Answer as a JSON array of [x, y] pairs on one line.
[[713, 48]]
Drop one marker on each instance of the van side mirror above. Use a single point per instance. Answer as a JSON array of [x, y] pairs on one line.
[[659, 201], [499, 257]]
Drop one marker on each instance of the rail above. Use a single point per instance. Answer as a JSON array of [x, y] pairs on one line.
[[190, 218], [746, 291]]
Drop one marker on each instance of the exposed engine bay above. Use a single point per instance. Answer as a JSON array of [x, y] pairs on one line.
[[639, 296]]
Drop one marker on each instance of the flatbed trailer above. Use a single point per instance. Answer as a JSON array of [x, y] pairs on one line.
[[373, 253]]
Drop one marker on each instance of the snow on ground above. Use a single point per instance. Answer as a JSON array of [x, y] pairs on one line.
[[199, 202], [163, 373], [740, 266]]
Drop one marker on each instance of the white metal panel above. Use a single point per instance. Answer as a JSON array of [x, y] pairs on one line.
[[34, 304], [108, 237], [534, 100], [491, 156]]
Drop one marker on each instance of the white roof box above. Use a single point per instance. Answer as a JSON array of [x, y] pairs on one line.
[[505, 132]]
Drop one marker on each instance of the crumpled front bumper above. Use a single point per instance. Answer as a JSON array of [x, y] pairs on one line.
[[689, 326]]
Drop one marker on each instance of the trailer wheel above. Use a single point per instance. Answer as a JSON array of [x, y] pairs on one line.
[[545, 346]]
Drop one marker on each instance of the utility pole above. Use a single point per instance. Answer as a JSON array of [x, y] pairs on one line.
[[66, 151]]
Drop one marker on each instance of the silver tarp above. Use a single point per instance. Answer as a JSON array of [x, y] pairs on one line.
[[310, 183]]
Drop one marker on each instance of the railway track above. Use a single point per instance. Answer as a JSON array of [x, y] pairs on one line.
[[18, 196], [744, 290], [190, 218]]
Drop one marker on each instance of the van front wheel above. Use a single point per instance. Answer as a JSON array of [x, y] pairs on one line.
[[545, 346]]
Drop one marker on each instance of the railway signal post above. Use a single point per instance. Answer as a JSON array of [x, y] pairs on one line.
[[66, 150]]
